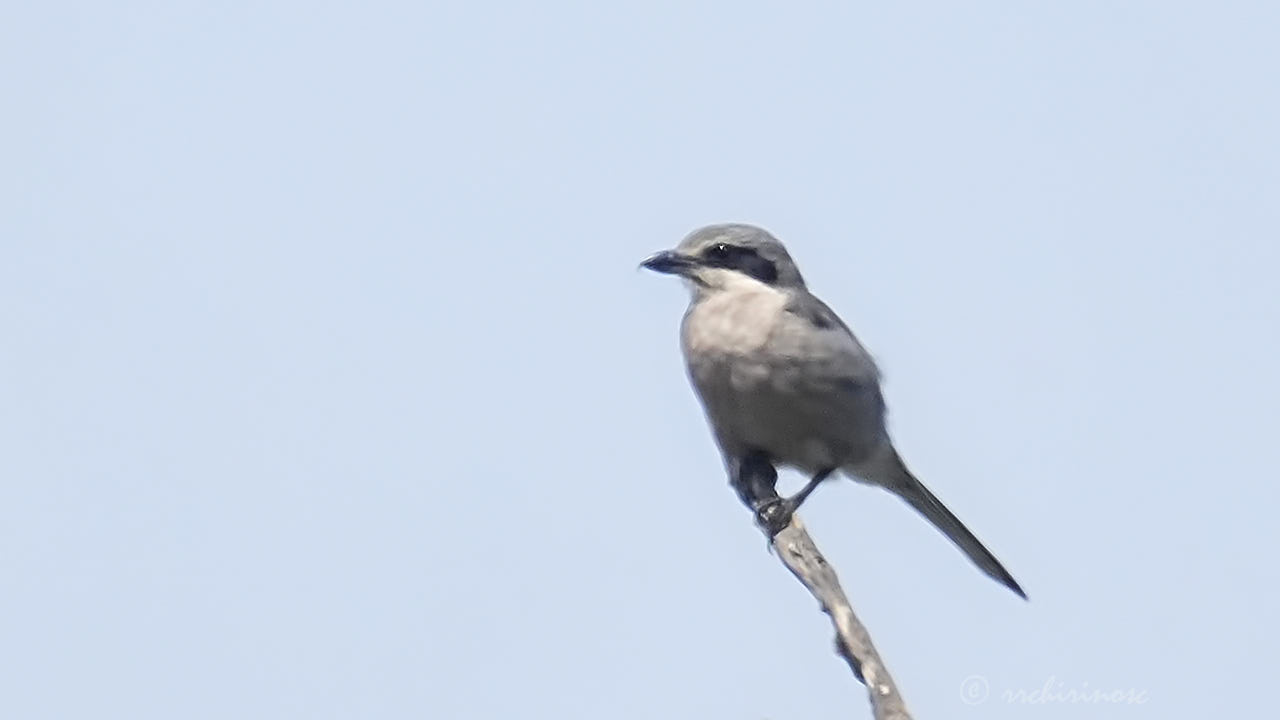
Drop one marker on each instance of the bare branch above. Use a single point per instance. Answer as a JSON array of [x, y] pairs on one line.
[[755, 480], [798, 552]]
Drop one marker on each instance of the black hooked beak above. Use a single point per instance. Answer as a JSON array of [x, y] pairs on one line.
[[670, 262]]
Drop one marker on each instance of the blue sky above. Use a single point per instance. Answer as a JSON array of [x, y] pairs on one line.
[[330, 388]]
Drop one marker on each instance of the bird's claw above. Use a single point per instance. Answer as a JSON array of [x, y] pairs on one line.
[[773, 514]]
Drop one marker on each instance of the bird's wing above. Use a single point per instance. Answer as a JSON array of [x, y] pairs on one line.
[[816, 337]]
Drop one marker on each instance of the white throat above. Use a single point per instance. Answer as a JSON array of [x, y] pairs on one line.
[[714, 281]]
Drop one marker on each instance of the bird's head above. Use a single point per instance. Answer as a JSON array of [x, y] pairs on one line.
[[721, 257]]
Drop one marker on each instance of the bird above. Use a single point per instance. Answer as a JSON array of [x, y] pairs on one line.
[[783, 381]]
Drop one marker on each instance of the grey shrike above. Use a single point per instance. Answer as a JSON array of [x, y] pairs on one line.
[[783, 380]]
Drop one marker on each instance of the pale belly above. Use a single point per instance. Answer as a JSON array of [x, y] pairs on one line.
[[809, 426]]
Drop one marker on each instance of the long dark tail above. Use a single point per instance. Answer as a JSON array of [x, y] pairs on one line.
[[906, 486]]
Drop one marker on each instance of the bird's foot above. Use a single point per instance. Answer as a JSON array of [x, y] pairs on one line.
[[775, 513]]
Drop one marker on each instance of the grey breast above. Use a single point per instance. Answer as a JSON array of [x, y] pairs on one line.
[[773, 379]]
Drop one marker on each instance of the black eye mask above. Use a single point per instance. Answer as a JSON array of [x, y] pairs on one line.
[[743, 259]]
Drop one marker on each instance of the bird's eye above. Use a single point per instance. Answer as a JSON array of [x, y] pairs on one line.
[[719, 251]]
